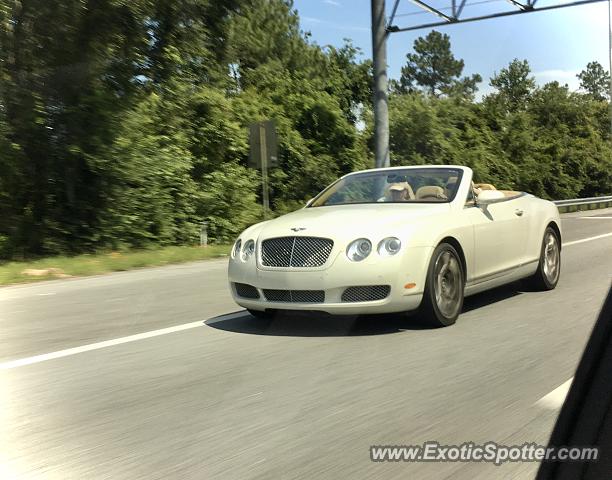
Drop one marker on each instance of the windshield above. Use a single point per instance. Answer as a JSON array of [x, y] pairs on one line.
[[411, 185]]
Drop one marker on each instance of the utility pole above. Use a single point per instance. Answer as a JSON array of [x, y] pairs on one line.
[[264, 171], [381, 108], [263, 154]]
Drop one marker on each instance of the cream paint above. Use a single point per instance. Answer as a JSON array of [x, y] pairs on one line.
[[500, 236]]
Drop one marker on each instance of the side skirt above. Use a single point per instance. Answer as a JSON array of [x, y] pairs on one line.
[[501, 278]]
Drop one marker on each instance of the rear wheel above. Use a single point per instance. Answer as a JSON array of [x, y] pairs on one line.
[[443, 296], [549, 266]]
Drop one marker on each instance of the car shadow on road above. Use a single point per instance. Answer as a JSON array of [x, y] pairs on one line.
[[298, 324], [304, 324], [495, 295]]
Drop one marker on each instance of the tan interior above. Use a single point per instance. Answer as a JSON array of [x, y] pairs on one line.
[[404, 186], [478, 187], [430, 191], [484, 186]]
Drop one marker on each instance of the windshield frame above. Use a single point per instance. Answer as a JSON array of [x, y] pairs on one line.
[[458, 171]]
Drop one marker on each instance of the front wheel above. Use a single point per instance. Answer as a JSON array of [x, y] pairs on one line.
[[549, 265], [443, 296]]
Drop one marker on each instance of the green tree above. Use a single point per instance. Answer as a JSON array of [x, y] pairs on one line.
[[574, 154], [316, 95], [67, 72], [514, 85], [434, 68], [125, 124], [229, 201], [433, 130], [595, 81], [350, 80]]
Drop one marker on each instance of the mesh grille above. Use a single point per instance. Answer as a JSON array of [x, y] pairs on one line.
[[276, 252], [310, 251], [295, 251], [295, 296], [366, 294], [308, 296], [277, 295], [246, 291]]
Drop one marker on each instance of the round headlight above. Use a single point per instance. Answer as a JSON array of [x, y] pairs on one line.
[[389, 246], [247, 250], [236, 249], [359, 249]]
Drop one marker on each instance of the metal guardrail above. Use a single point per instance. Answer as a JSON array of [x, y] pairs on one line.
[[596, 202]]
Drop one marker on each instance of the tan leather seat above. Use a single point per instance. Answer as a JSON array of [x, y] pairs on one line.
[[430, 192], [400, 186], [410, 191], [484, 186]]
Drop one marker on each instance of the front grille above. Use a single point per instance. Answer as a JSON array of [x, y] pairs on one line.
[[295, 296], [277, 295], [368, 293], [295, 251], [246, 291]]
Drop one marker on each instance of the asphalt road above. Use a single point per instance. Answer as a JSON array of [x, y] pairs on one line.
[[232, 397]]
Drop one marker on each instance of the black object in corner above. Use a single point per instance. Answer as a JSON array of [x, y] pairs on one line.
[[586, 416]]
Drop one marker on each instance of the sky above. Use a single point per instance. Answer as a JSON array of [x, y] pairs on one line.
[[557, 43]]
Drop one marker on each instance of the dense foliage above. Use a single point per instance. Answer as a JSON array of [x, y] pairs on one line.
[[125, 124]]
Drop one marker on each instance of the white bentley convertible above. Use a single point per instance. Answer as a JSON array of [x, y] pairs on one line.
[[394, 240]]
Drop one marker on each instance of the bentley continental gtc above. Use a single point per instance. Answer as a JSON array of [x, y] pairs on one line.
[[394, 240]]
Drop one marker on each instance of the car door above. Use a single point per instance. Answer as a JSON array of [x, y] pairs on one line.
[[500, 236]]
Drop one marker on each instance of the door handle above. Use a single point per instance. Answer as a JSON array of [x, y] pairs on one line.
[[519, 212]]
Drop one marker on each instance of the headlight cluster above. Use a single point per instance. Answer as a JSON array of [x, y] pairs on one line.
[[247, 250], [236, 249], [359, 249], [244, 252], [389, 246]]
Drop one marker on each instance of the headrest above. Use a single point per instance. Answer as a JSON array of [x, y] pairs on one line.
[[484, 186], [430, 192], [451, 181]]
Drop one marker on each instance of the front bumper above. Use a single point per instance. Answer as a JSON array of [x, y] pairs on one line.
[[407, 267]]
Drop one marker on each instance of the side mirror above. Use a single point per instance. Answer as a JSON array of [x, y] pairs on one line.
[[486, 197]]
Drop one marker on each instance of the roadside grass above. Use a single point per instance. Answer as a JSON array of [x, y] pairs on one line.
[[95, 264]]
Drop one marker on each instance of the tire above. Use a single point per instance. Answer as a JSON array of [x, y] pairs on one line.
[[547, 275], [258, 314], [444, 287]]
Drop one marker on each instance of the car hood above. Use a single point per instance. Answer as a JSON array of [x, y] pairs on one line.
[[352, 221]]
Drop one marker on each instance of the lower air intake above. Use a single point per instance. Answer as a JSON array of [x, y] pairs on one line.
[[295, 296], [368, 293], [246, 291]]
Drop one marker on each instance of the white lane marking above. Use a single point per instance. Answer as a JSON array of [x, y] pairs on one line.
[[595, 218], [95, 346], [567, 244], [226, 316], [109, 343], [45, 294], [554, 399]]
